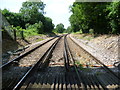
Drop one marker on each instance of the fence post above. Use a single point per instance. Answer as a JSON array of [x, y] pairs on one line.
[[22, 35], [0, 51], [14, 34]]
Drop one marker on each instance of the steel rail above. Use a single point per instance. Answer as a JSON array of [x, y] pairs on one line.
[[35, 67], [98, 61], [23, 55], [73, 61], [66, 59]]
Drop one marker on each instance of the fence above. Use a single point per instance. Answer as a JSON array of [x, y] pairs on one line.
[[7, 27]]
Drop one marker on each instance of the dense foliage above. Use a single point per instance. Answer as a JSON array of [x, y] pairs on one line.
[[68, 30], [87, 17], [102, 17], [13, 18], [31, 17], [59, 28]]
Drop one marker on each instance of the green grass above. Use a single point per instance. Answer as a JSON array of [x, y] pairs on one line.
[[81, 66], [30, 32], [89, 38], [85, 37], [40, 39]]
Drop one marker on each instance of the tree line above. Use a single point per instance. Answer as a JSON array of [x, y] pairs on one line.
[[95, 17], [31, 19], [87, 17], [31, 15]]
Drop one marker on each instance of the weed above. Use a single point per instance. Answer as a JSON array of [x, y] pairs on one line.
[[40, 39], [79, 65]]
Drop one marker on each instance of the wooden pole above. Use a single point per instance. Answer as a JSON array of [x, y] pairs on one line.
[[14, 34], [0, 51], [22, 35]]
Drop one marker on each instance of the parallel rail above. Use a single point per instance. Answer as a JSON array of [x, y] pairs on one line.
[[66, 57], [23, 55], [69, 58], [98, 61], [111, 77], [41, 61], [69, 77]]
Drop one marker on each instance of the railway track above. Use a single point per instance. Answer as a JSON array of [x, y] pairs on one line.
[[104, 77], [57, 69], [23, 55], [12, 71]]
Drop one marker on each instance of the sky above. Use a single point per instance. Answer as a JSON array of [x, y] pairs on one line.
[[57, 10]]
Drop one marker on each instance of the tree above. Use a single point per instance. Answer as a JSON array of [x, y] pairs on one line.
[[31, 16], [48, 25], [68, 30], [13, 18], [32, 12], [89, 16], [114, 16], [59, 28]]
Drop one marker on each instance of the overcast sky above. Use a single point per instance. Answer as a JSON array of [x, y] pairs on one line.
[[58, 10]]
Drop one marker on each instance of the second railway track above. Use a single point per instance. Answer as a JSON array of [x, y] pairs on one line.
[[57, 69]]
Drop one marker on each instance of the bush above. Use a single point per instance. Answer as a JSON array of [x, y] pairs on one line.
[[80, 31], [26, 33], [91, 31], [30, 32], [37, 27]]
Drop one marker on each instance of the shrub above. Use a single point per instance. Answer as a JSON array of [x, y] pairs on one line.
[[91, 31], [37, 27]]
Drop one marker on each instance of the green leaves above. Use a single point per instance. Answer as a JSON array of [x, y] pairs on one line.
[[59, 28], [114, 17], [13, 18], [32, 12], [31, 17], [37, 27], [48, 25], [102, 17]]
